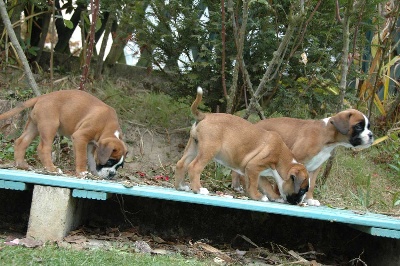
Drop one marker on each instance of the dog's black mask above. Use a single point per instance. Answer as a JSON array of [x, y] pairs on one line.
[[296, 198], [110, 163], [355, 139]]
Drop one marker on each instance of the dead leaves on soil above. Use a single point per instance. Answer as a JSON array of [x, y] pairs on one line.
[[131, 241]]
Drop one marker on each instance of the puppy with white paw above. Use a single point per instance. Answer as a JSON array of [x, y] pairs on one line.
[[312, 141], [244, 148], [90, 123]]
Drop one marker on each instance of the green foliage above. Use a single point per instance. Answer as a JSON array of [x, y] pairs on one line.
[[160, 110], [303, 98], [153, 110], [363, 195], [19, 94], [7, 148], [50, 254], [390, 152]]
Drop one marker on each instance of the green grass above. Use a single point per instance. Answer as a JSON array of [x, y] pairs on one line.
[[148, 109], [359, 180], [52, 255]]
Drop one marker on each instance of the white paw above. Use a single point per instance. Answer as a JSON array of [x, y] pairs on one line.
[[312, 202], [83, 174], [280, 200], [184, 188], [239, 189], [203, 191], [264, 198]]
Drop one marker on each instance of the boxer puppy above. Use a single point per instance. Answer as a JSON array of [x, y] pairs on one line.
[[244, 148], [312, 141], [92, 125]]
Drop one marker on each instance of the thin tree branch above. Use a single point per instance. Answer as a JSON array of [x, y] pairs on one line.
[[14, 40], [94, 6]]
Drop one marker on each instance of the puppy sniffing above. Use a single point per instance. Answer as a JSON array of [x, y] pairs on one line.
[[92, 125], [312, 141], [244, 148]]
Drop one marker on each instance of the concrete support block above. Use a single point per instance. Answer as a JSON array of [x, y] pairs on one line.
[[54, 212]]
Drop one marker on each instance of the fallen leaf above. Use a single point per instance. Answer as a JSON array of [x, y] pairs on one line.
[[241, 252], [297, 256], [77, 239], [159, 251], [219, 261], [12, 242], [142, 247], [157, 239], [30, 242], [212, 249], [127, 183]]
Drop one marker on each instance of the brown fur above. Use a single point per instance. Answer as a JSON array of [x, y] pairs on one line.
[[71, 113], [241, 146], [306, 138]]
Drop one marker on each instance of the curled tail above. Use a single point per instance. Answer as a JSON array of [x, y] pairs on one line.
[[196, 113], [19, 108]]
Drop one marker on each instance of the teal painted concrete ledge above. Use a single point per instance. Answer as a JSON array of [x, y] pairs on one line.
[[375, 224]]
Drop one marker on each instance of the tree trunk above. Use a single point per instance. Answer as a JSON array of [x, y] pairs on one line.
[[343, 80], [17, 46], [100, 58], [273, 67], [43, 34], [64, 33], [119, 33], [94, 6]]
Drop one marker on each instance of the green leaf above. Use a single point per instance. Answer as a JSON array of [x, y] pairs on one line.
[[68, 24]]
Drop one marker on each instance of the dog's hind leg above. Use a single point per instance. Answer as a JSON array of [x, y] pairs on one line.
[[22, 143], [47, 133], [182, 165], [195, 168]]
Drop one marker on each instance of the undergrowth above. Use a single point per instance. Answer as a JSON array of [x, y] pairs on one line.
[[367, 180], [50, 254]]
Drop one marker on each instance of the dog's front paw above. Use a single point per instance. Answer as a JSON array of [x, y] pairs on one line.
[[264, 198], [83, 174], [203, 191], [279, 200], [183, 188], [312, 202], [23, 166], [239, 189]]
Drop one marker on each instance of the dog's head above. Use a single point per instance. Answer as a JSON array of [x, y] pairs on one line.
[[109, 155], [296, 184], [355, 126]]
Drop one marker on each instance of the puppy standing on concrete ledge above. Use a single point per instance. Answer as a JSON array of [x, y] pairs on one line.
[[92, 125], [243, 147], [312, 141]]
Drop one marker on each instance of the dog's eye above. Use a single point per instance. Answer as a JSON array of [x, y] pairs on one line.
[[358, 127], [110, 162]]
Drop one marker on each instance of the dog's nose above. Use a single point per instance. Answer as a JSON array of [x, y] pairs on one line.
[[111, 174]]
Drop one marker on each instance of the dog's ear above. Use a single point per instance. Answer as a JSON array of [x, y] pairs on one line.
[[104, 152], [341, 122], [300, 179]]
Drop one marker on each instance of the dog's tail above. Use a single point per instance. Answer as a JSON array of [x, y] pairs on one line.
[[19, 108], [196, 112]]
